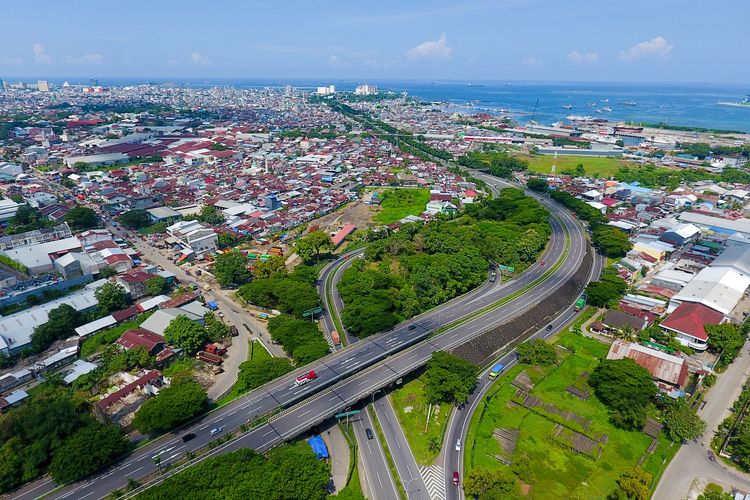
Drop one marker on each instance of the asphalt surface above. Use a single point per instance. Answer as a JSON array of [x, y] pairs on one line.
[[344, 377], [376, 478]]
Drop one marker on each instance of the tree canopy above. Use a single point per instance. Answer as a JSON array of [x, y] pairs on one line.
[[174, 405], [211, 215], [135, 219], [290, 472], [633, 484], [607, 291], [271, 268], [80, 218], [626, 388], [536, 352], [185, 333], [483, 483], [449, 379], [256, 373], [726, 339], [156, 286], [311, 246], [292, 294], [111, 297], [681, 421], [87, 451], [611, 241], [230, 268], [300, 339], [61, 324]]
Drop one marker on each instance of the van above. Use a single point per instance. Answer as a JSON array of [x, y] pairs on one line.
[[458, 445]]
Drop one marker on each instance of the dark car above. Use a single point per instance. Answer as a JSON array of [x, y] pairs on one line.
[[188, 437], [368, 433], [549, 327], [412, 327]]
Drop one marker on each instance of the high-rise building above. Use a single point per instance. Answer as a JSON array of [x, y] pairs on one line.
[[42, 86], [328, 90], [365, 89]]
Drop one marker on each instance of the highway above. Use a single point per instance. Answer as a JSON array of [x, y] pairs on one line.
[[350, 374]]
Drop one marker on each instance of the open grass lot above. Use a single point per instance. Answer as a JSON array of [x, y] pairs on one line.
[[398, 203], [601, 167], [413, 422], [556, 471]]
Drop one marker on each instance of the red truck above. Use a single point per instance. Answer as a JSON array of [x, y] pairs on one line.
[[209, 358], [216, 349], [307, 377]]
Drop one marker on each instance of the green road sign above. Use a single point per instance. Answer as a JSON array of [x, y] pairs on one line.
[[347, 414], [312, 312], [506, 268]]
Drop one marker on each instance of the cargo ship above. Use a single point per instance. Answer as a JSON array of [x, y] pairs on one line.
[[744, 103]]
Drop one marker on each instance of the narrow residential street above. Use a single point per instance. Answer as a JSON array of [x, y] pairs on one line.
[[233, 313], [692, 463]]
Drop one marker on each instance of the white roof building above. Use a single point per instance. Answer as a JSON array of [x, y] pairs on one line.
[[735, 257], [717, 223], [719, 288]]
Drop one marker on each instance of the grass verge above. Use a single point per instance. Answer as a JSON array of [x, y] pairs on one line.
[[257, 353], [353, 487], [424, 445]]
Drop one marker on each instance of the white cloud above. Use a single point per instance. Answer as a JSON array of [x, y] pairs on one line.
[[531, 61], [432, 49], [85, 59], [334, 60], [583, 57], [10, 61], [40, 55], [657, 46], [199, 59]]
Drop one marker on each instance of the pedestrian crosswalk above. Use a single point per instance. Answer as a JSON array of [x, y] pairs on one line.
[[434, 480]]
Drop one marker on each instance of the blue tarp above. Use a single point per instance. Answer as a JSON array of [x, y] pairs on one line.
[[318, 446]]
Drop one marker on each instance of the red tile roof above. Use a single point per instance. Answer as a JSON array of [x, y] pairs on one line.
[[140, 338], [690, 318], [116, 396]]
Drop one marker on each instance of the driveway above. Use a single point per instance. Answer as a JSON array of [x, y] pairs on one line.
[[691, 463]]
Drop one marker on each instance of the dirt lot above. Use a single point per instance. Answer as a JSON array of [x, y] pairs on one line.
[[356, 212]]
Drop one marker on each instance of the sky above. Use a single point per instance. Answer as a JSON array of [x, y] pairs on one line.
[[574, 40]]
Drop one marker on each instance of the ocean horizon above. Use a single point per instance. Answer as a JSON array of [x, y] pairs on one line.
[[674, 103]]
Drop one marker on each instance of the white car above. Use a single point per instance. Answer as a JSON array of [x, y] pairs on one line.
[[458, 445]]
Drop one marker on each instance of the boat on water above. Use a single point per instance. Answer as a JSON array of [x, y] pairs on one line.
[[744, 103], [628, 103], [604, 100], [607, 109], [567, 106]]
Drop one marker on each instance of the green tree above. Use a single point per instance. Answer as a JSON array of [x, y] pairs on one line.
[[87, 451], [296, 472], [211, 215], [539, 185], [633, 484], [174, 405], [611, 241], [312, 245], [536, 352], [271, 268], [715, 492], [156, 286], [61, 324], [300, 339], [111, 297], [135, 219], [215, 328], [106, 272], [724, 337], [626, 388], [80, 218], [681, 422], [483, 483], [607, 291], [449, 378], [256, 373], [230, 269], [185, 333]]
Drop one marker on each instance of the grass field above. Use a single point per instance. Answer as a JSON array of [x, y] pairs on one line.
[[256, 353], [398, 203], [555, 470], [601, 167], [413, 422]]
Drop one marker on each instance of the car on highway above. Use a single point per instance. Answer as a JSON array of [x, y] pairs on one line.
[[549, 327], [541, 263], [216, 430], [412, 327], [368, 433], [456, 481], [458, 445], [188, 437]]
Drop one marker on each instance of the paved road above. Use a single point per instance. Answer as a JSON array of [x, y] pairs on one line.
[[376, 479], [691, 462], [403, 458], [349, 375]]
